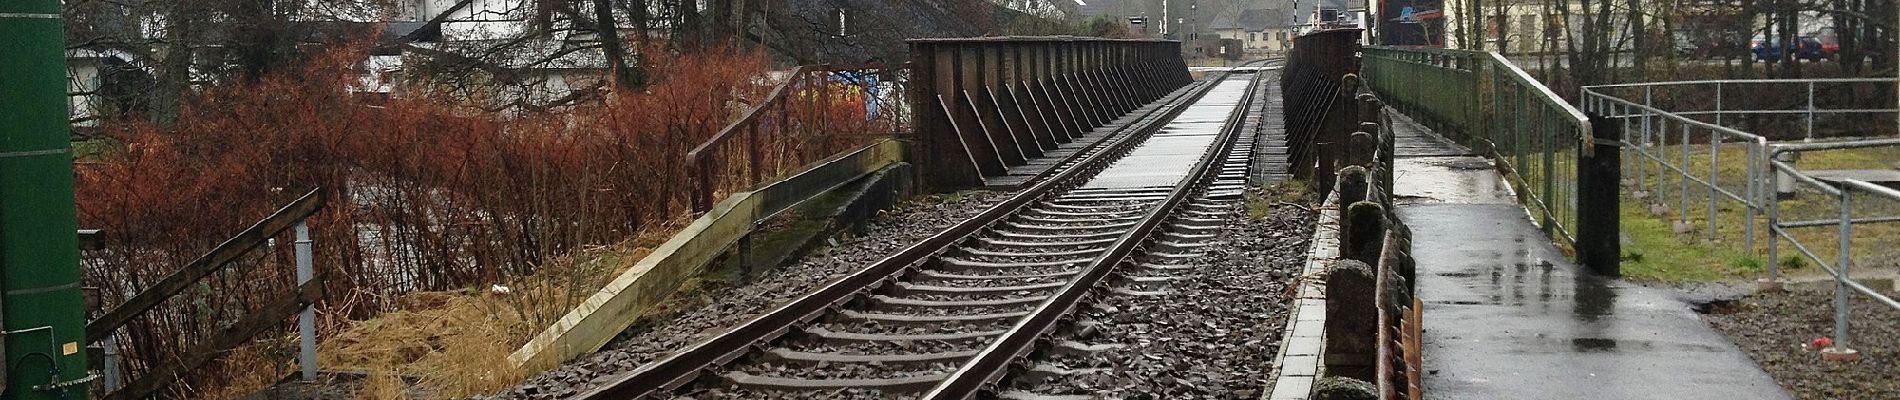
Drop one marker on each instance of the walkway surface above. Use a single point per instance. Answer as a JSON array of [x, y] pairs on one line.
[[1508, 317]]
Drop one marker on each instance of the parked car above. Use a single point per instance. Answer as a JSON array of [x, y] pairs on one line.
[[1805, 48]]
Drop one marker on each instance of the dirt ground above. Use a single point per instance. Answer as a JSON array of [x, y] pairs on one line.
[[1773, 328]]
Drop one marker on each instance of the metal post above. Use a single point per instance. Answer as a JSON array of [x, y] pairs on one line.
[[1517, 134], [1623, 113], [307, 320], [1662, 176], [112, 378], [1497, 110], [1718, 104], [1549, 196], [1683, 213], [1774, 229], [1753, 166], [1840, 351], [1810, 136], [1784, 180], [1640, 175], [1715, 157], [39, 254]]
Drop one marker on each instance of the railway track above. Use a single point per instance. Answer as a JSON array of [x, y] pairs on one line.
[[947, 317]]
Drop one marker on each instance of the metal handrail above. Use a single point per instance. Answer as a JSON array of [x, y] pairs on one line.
[[1530, 138], [1744, 81], [1545, 95], [1811, 109], [1646, 142], [1764, 161], [1843, 280]]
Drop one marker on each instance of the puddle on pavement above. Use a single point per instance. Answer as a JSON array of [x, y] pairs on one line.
[[1458, 180]]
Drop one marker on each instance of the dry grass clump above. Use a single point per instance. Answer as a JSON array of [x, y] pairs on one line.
[[456, 343]]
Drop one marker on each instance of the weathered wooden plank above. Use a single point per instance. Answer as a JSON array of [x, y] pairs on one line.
[[611, 310], [226, 252]]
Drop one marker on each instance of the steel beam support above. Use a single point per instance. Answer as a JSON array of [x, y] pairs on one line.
[[985, 105]]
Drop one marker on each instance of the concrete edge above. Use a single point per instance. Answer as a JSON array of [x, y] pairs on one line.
[[1298, 366], [613, 308]]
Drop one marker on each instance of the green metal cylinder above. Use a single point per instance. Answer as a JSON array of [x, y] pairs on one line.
[[40, 300]]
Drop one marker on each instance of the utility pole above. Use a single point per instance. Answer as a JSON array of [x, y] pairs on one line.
[[40, 311]]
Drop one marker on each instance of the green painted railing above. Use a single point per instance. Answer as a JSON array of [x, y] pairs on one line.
[[1484, 102]]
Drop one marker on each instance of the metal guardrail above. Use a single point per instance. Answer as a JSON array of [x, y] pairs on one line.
[[1715, 101], [1668, 169], [1844, 191], [1483, 101], [1664, 142]]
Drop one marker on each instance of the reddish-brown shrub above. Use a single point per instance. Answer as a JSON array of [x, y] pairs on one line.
[[424, 194]]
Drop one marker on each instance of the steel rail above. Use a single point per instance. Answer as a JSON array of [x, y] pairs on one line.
[[990, 364], [683, 366]]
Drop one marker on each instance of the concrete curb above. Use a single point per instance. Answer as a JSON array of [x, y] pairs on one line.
[[1298, 366]]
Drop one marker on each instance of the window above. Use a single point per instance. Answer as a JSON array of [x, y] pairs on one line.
[[1252, 36]]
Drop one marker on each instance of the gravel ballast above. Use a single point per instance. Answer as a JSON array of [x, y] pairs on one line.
[[1772, 327], [691, 317], [1213, 335]]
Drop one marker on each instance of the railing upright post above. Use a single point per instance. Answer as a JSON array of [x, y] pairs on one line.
[[1774, 225], [1662, 174], [1549, 196], [1497, 110], [1715, 157], [1753, 206], [1517, 133], [1635, 160], [1718, 104], [1810, 134], [1840, 349], [1642, 176], [1683, 207], [306, 320]]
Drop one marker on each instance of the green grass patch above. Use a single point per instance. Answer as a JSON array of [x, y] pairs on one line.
[[1655, 251], [1260, 203]]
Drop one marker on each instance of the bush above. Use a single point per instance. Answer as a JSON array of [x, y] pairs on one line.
[[425, 194]]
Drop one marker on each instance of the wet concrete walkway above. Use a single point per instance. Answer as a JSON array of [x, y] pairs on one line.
[[1508, 317]]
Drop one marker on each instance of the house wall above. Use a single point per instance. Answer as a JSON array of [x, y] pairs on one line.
[[82, 76], [1275, 39]]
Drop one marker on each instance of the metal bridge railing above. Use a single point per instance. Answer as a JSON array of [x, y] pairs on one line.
[[1485, 102]]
